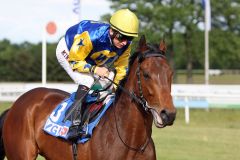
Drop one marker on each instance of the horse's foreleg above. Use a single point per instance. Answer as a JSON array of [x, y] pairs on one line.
[[18, 138], [20, 148]]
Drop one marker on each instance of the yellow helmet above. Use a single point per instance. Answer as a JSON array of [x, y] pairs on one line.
[[126, 22]]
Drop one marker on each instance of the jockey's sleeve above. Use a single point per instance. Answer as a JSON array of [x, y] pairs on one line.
[[121, 65], [80, 49]]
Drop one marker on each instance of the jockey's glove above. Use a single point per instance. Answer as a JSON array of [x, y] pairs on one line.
[[101, 71]]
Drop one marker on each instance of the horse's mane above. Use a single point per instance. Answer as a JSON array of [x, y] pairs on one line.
[[151, 48], [123, 81]]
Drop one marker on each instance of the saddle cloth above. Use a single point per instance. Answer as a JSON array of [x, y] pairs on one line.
[[57, 128]]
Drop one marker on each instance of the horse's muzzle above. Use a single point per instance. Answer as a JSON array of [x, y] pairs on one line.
[[167, 117], [163, 118]]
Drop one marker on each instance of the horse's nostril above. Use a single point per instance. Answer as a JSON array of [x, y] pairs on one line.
[[164, 116], [168, 118]]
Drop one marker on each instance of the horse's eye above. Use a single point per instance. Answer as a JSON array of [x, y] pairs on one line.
[[146, 75]]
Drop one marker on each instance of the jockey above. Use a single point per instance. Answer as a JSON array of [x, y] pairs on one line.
[[89, 45]]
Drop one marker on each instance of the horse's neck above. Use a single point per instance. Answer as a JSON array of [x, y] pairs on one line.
[[130, 118]]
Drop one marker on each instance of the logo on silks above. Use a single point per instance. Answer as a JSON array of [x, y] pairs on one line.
[[80, 43]]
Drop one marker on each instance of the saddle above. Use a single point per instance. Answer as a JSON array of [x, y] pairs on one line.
[[92, 106], [93, 103]]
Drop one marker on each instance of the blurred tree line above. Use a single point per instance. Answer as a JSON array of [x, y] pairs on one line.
[[23, 62], [179, 22]]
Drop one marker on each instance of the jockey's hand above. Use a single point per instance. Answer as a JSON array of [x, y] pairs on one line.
[[101, 71]]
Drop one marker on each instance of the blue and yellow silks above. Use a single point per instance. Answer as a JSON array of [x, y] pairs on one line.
[[90, 45]]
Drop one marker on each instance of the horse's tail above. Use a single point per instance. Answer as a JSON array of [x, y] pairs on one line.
[[2, 117]]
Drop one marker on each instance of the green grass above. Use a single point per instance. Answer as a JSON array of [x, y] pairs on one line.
[[4, 106], [211, 135]]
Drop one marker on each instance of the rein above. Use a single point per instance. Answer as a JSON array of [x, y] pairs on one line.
[[139, 99]]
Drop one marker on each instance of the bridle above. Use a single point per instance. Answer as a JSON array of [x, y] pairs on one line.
[[140, 100], [141, 58]]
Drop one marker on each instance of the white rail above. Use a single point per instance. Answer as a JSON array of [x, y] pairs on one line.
[[187, 96], [221, 98]]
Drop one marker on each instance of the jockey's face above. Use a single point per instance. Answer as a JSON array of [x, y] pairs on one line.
[[119, 40]]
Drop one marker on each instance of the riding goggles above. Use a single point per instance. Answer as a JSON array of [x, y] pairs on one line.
[[122, 37]]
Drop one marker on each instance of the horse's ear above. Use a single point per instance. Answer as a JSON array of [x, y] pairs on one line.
[[163, 46], [142, 45]]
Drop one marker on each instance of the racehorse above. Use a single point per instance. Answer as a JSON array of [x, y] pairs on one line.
[[123, 133]]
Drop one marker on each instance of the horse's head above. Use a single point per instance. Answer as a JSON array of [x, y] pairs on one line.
[[152, 83]]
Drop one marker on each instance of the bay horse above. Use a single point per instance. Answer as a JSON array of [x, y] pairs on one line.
[[123, 133]]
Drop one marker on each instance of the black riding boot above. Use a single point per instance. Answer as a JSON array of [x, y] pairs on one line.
[[75, 129]]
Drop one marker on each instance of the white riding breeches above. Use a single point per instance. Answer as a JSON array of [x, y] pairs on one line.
[[86, 79]]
